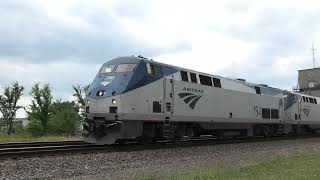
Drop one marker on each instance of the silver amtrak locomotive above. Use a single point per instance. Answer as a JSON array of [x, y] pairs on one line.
[[133, 98]]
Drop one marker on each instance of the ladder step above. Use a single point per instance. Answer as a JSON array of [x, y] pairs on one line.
[[167, 128]]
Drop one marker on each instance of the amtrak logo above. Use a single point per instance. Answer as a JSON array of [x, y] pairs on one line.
[[104, 83], [306, 111], [190, 99]]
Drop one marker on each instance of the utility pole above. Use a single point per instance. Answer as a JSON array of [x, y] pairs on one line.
[[314, 59]]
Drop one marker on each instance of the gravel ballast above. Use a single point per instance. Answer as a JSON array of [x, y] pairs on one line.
[[129, 165]]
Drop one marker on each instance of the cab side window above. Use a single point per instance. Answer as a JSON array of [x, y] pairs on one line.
[[154, 70], [184, 76], [205, 80], [216, 82], [258, 90], [193, 77]]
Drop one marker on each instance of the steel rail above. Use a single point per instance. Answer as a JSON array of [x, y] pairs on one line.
[[46, 150], [38, 144]]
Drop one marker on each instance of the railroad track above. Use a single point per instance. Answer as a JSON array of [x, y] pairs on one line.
[[37, 144], [40, 149], [14, 150]]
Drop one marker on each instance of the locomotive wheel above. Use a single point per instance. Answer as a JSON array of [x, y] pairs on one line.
[[180, 131], [266, 131], [196, 131], [189, 131], [300, 130], [296, 130]]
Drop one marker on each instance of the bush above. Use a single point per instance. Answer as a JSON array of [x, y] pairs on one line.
[[64, 118], [35, 128], [40, 109]]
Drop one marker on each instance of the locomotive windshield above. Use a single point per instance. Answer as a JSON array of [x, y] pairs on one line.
[[119, 69], [125, 67], [107, 68]]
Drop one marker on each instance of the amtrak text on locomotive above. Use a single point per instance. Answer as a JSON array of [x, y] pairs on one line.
[[193, 90]]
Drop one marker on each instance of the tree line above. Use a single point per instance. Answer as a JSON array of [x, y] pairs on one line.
[[45, 115]]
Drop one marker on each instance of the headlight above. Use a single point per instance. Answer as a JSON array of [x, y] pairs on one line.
[[114, 101], [100, 93]]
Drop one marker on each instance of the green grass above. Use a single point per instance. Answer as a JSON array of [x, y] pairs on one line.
[[28, 138], [302, 166]]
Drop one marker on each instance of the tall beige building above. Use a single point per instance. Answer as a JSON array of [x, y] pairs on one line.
[[309, 81]]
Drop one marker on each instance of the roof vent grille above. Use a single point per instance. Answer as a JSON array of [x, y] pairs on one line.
[[241, 80]]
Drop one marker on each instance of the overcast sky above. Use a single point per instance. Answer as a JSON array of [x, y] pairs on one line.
[[64, 42]]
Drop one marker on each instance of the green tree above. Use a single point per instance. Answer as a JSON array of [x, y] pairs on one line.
[[64, 118], [80, 93], [39, 110], [8, 104]]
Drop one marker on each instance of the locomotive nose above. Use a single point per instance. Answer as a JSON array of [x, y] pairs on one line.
[[105, 105], [108, 85]]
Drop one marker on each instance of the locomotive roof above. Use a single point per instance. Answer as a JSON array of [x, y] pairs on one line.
[[135, 60], [124, 60]]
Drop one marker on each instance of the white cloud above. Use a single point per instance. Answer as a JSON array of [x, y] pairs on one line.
[[228, 37], [61, 75], [211, 52], [25, 101], [55, 72]]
